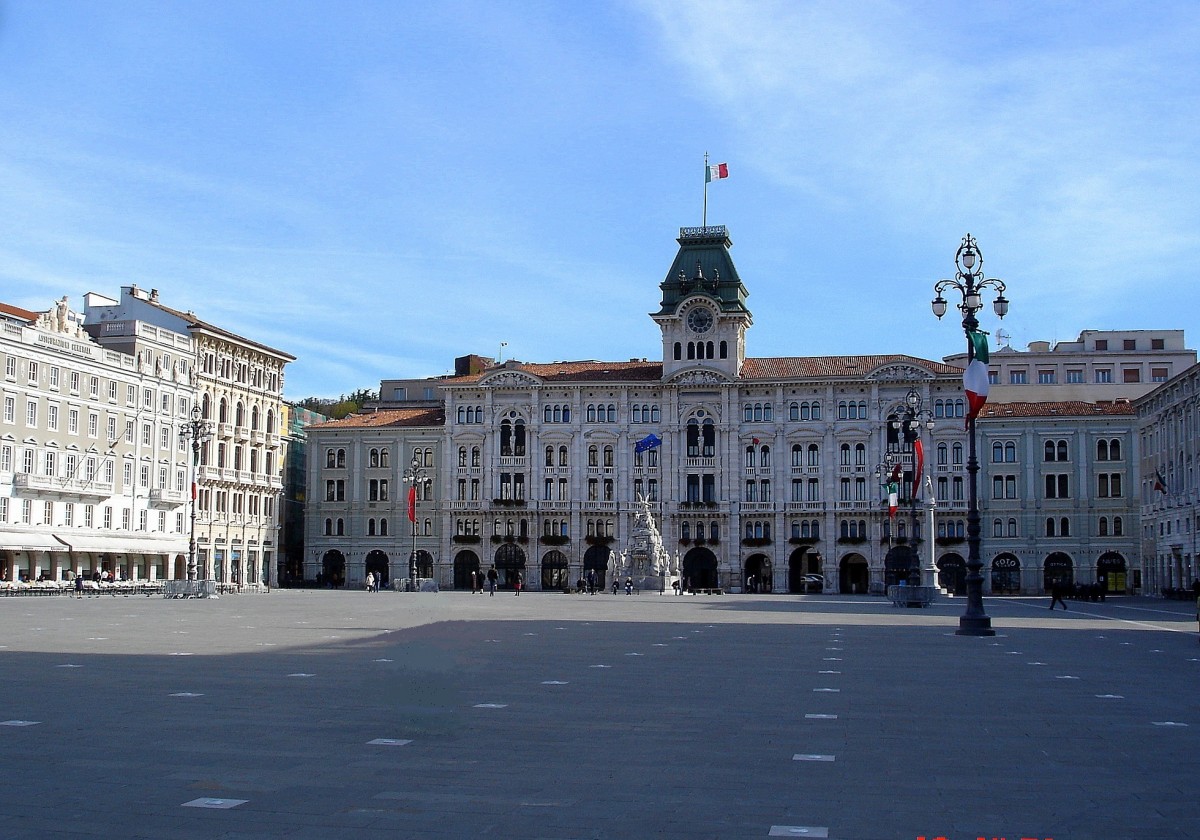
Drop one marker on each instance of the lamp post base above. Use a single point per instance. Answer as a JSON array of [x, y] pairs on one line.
[[974, 626]]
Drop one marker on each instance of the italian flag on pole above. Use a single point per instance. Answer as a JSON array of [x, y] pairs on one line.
[[975, 377], [715, 172]]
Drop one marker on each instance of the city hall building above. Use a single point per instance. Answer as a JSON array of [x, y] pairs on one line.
[[762, 472]]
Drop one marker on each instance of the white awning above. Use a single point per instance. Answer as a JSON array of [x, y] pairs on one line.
[[122, 544], [14, 540]]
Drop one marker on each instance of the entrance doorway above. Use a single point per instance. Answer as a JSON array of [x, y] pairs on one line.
[[900, 564], [803, 561], [510, 562], [377, 565], [595, 559], [466, 562], [700, 569], [333, 569], [1058, 569], [854, 576], [554, 571], [1006, 575], [758, 573], [1110, 571], [952, 574]]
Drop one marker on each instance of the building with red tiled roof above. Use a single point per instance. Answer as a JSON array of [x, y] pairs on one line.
[[761, 473]]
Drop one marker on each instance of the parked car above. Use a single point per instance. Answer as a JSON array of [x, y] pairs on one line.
[[813, 583]]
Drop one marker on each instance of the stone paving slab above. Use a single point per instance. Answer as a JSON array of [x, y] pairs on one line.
[[551, 716]]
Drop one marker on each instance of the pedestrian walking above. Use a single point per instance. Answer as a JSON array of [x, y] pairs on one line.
[[491, 577], [517, 584], [473, 581], [591, 581], [79, 586], [370, 581], [1056, 595]]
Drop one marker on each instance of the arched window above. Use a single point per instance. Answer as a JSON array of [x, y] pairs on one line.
[[1049, 527], [330, 458], [593, 456], [1049, 450], [997, 452], [1010, 452], [270, 422], [844, 449], [1114, 450], [685, 532], [329, 527], [1064, 527], [1062, 450], [749, 457], [943, 452], [1103, 529], [341, 527], [997, 528], [370, 527], [373, 458], [1101, 450], [341, 458], [678, 351], [562, 456], [549, 456], [957, 454], [239, 414], [814, 455], [1118, 527], [254, 418]]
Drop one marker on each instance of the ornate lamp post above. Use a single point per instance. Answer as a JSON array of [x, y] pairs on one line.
[[970, 282], [909, 428], [416, 476], [199, 431]]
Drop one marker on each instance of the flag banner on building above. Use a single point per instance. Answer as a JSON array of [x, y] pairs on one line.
[[975, 377], [754, 441], [412, 504], [893, 490], [1160, 483], [648, 442], [919, 466], [715, 172]]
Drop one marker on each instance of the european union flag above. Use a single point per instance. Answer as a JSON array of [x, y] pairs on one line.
[[648, 442]]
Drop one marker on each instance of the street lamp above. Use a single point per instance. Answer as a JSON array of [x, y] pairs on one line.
[[199, 430], [908, 428], [970, 282], [415, 476]]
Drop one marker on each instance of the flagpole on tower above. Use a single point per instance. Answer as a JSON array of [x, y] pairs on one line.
[[704, 214]]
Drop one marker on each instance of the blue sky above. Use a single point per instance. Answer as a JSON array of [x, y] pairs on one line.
[[378, 187]]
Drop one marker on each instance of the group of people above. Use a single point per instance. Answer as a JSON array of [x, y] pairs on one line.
[[1060, 590], [492, 577], [374, 581]]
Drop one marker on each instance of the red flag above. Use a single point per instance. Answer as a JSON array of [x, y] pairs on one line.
[[193, 491], [412, 504], [919, 455], [754, 441]]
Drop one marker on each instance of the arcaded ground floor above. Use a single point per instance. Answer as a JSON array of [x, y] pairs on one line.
[[317, 714]]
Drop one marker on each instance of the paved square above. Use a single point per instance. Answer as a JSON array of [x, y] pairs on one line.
[[334, 714]]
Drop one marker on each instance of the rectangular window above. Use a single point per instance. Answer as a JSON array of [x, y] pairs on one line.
[[93, 424], [54, 374], [1046, 377], [52, 417], [131, 395], [1018, 377], [10, 410], [1130, 344], [94, 387], [74, 382], [33, 372], [1101, 344], [1157, 344], [1131, 375], [73, 421], [31, 414], [1158, 375], [1074, 377], [1104, 376]]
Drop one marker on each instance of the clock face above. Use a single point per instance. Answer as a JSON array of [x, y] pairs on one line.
[[700, 320]]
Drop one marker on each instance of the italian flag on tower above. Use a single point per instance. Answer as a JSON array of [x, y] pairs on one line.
[[975, 377]]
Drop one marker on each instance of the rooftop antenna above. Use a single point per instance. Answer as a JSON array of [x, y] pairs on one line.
[[500, 355], [1003, 336]]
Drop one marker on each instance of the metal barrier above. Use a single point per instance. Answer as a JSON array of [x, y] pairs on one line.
[[190, 589]]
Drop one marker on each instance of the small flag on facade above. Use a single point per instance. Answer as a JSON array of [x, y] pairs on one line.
[[919, 459], [648, 442], [754, 441], [893, 490], [975, 377], [715, 172], [412, 504], [1160, 483]]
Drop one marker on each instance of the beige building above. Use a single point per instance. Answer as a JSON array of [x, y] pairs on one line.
[[238, 384]]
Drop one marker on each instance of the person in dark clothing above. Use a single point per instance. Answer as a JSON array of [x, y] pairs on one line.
[[1056, 595]]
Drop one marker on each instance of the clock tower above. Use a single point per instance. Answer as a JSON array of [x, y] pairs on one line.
[[703, 315]]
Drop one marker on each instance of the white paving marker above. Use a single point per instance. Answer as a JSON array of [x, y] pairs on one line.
[[19, 722], [1065, 677], [491, 705], [831, 659], [68, 665], [634, 654], [180, 653], [301, 675], [658, 644], [554, 682], [599, 666], [390, 742], [1035, 663], [829, 672], [833, 690], [381, 660], [1111, 696], [186, 694], [810, 757], [215, 803], [798, 831], [821, 717], [1168, 723]]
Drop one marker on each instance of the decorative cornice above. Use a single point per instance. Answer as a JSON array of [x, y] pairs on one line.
[[699, 377], [899, 373]]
